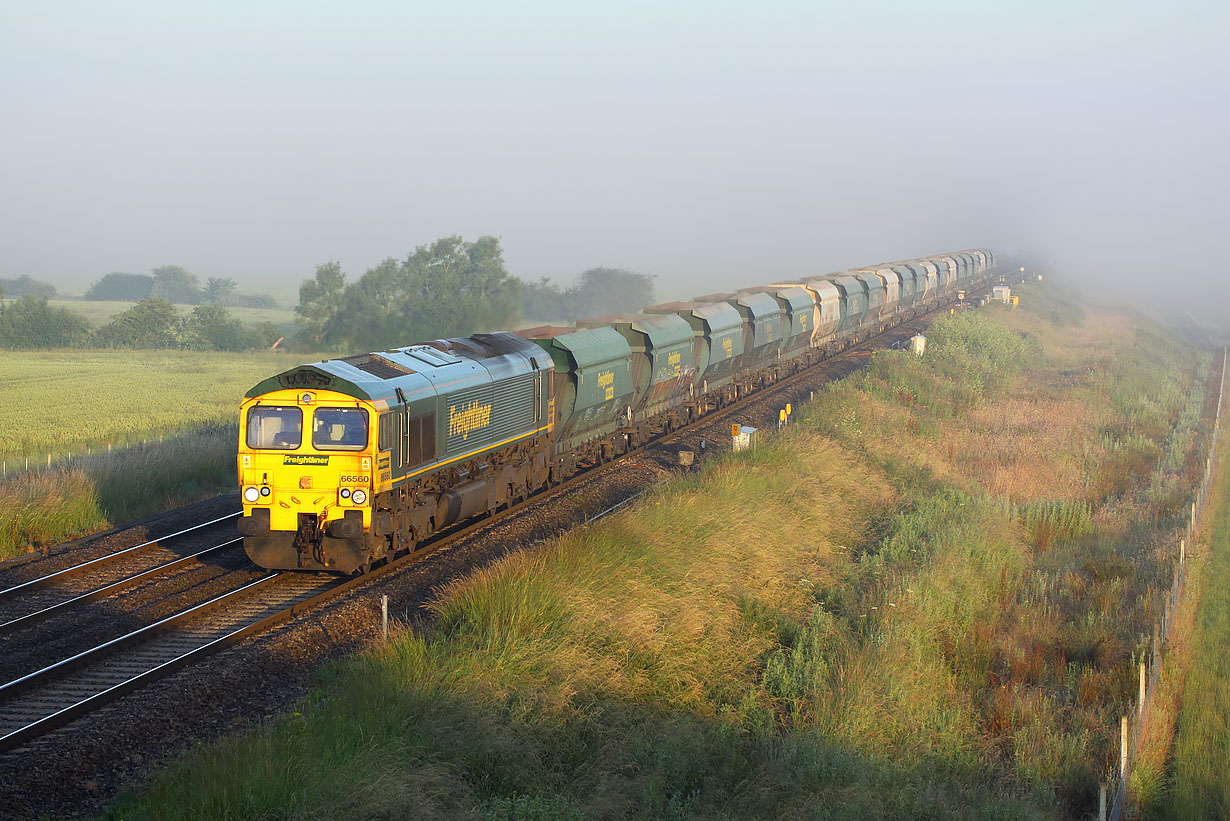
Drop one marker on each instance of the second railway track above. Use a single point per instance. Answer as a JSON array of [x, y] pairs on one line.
[[22, 601]]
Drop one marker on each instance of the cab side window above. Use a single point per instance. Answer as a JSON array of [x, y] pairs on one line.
[[386, 431]]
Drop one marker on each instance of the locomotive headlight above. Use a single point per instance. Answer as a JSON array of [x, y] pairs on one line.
[[358, 496], [251, 495], [345, 493], [264, 490]]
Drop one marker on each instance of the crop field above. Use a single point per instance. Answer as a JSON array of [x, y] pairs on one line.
[[923, 599], [65, 402], [101, 312]]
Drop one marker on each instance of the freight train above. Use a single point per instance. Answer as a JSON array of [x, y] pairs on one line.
[[348, 462]]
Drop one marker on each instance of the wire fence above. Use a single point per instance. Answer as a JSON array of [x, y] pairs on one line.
[[1132, 726]]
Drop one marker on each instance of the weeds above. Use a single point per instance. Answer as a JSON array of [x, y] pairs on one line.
[[91, 493], [1051, 520]]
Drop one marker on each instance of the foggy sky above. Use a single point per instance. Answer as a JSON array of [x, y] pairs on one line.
[[713, 144]]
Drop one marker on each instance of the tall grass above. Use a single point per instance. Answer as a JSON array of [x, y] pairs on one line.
[[93, 492], [46, 507], [1051, 520]]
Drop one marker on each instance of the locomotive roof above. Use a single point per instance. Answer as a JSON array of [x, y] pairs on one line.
[[413, 370]]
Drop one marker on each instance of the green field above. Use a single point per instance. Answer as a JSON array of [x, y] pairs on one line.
[[63, 402], [100, 313]]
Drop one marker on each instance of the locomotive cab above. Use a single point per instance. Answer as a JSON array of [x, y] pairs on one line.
[[306, 460]]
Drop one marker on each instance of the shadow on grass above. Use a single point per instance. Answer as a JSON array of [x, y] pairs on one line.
[[373, 745]]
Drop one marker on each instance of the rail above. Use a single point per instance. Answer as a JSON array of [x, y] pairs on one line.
[[35, 616], [93, 564]]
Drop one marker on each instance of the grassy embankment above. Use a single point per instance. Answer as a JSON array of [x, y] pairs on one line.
[[171, 416], [921, 600]]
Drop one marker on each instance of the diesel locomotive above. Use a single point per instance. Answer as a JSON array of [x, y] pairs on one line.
[[347, 462]]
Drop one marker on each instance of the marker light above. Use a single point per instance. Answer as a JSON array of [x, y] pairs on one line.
[[251, 495], [264, 490], [345, 493], [358, 496]]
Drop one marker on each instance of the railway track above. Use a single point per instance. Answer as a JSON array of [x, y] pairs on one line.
[[39, 702], [28, 602]]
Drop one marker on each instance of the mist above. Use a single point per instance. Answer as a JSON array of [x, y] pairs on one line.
[[713, 145]]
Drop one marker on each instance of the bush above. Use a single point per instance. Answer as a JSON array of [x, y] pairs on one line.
[[31, 323], [211, 328], [151, 323], [120, 287], [25, 286]]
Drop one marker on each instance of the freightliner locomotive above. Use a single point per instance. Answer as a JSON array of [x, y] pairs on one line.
[[348, 462]]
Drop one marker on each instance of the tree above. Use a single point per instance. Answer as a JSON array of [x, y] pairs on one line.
[[449, 288], [542, 300], [595, 292], [25, 286], [608, 291], [175, 284], [320, 299], [151, 323], [121, 287], [217, 290], [212, 328], [31, 323], [371, 313], [267, 334]]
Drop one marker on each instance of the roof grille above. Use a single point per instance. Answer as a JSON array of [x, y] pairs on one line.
[[377, 365]]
